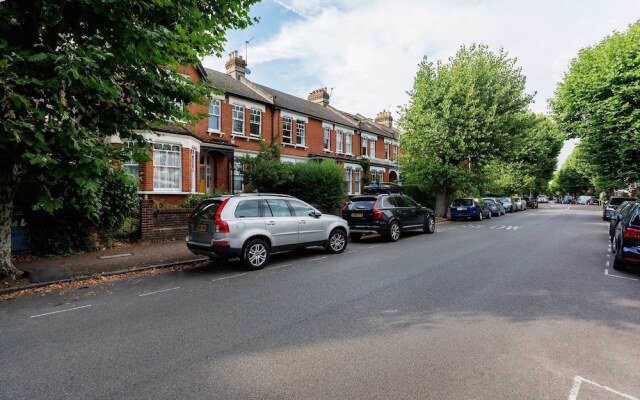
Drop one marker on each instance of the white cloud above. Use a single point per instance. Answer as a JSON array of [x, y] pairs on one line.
[[369, 50]]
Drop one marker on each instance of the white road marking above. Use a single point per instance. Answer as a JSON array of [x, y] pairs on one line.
[[60, 311], [607, 263], [318, 259], [281, 266], [577, 383], [606, 272], [228, 277], [348, 252], [375, 245], [513, 228], [115, 256], [158, 291]]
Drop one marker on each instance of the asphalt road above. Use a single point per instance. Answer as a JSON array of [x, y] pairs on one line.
[[518, 307]]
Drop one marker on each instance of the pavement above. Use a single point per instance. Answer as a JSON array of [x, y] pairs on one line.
[[123, 258]]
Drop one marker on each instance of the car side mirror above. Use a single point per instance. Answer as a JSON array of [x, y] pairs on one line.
[[419, 205], [315, 214]]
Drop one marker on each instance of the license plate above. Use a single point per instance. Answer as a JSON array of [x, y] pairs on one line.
[[462, 208], [202, 228], [356, 215]]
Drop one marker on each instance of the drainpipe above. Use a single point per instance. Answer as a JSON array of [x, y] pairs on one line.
[[273, 116]]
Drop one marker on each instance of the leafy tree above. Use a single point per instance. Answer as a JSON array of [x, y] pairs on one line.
[[571, 179], [461, 115], [598, 102], [75, 72]]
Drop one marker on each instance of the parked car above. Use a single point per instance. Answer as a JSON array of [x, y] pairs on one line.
[[387, 215], [507, 204], [254, 226], [568, 200], [382, 187], [469, 208], [612, 204], [617, 215], [583, 199], [593, 202], [542, 199], [530, 202], [497, 209], [519, 203], [626, 240]]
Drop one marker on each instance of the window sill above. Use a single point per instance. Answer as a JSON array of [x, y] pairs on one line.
[[301, 146], [239, 136], [213, 131], [327, 151], [297, 146]]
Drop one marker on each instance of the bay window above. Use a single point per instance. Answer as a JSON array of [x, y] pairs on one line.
[[167, 166]]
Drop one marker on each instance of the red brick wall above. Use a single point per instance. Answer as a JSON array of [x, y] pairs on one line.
[[163, 224], [314, 136], [145, 169]]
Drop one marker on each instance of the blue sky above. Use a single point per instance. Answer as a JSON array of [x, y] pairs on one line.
[[369, 50]]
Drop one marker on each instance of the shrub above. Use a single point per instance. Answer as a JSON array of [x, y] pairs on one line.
[[193, 200], [318, 183]]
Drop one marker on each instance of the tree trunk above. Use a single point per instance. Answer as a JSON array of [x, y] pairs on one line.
[[8, 182], [442, 203]]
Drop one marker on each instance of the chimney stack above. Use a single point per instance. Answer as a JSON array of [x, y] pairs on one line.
[[385, 118], [236, 65], [319, 96]]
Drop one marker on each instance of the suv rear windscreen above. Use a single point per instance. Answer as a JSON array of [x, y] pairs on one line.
[[616, 201], [207, 209], [362, 203], [462, 202]]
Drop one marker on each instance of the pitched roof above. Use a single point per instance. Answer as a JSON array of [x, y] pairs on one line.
[[231, 85], [296, 104], [369, 125]]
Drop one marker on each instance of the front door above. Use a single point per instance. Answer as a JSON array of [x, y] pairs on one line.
[[310, 229], [281, 224]]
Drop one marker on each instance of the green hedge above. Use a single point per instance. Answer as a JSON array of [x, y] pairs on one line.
[[318, 183]]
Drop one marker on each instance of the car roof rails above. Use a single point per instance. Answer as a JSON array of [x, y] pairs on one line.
[[262, 194], [382, 188]]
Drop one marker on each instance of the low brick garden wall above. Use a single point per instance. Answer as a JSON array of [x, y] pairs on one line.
[[163, 224]]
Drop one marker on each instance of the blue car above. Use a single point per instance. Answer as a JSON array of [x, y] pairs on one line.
[[626, 240], [469, 208]]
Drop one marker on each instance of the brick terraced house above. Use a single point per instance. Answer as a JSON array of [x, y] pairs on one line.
[[203, 158]]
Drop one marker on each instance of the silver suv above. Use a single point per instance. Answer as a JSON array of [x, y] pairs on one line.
[[253, 226]]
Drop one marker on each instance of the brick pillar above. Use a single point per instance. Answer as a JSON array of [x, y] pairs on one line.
[[146, 218]]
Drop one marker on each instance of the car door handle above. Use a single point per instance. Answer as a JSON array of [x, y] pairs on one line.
[[271, 222], [302, 222]]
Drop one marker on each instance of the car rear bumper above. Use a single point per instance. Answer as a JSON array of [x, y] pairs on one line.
[[380, 228], [463, 214], [631, 255], [218, 250]]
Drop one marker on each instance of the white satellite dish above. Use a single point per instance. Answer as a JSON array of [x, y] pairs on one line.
[[247, 71]]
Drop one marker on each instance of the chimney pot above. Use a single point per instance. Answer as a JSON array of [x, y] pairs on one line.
[[319, 96], [235, 65]]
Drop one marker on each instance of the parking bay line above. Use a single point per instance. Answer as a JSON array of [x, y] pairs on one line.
[[228, 277], [318, 259], [606, 272], [349, 252], [375, 245], [60, 311], [158, 291]]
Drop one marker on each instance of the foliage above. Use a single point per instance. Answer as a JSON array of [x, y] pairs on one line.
[[66, 229], [74, 73], [318, 183], [462, 115], [194, 199], [571, 179], [597, 101], [419, 195]]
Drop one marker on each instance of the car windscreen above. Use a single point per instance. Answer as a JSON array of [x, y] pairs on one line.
[[207, 209], [505, 200], [488, 202], [615, 201], [362, 203], [462, 202]]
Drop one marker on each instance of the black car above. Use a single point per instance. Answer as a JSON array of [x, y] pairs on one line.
[[387, 215], [626, 240], [531, 202], [618, 215], [612, 205]]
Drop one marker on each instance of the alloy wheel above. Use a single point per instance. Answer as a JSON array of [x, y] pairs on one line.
[[337, 242], [257, 254]]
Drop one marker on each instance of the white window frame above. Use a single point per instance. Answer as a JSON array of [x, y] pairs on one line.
[[255, 119], [395, 152], [163, 151], [347, 177], [349, 143], [300, 133], [237, 168], [357, 181], [130, 165], [372, 148], [386, 151], [365, 146], [287, 122], [213, 106], [339, 145], [327, 138], [237, 115]]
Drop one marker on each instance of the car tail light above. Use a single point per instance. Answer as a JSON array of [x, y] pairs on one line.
[[632, 233], [377, 214], [221, 226], [344, 208]]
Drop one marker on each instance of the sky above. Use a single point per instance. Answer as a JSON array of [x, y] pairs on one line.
[[366, 52]]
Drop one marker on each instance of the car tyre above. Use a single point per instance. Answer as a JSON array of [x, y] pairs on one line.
[[255, 254], [479, 216], [453, 218], [618, 264], [490, 215], [429, 224], [394, 231], [337, 241], [356, 237]]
